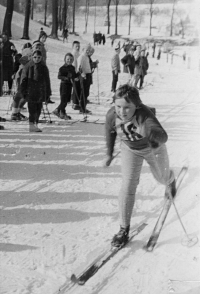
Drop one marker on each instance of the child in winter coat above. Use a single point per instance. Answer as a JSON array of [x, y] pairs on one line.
[[18, 99], [35, 87], [115, 65], [66, 74], [142, 137], [85, 77], [77, 91]]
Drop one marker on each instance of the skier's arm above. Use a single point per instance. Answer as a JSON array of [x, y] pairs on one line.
[[154, 131], [110, 135]]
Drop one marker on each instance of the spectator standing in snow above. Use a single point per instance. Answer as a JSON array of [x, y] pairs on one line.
[[141, 67], [142, 138], [35, 87], [115, 65], [85, 76], [67, 75], [77, 87], [8, 52], [129, 62], [18, 99]]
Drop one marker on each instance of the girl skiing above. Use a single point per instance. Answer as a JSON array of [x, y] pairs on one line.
[[142, 137]]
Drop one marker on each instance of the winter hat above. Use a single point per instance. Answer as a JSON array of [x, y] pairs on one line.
[[89, 49]]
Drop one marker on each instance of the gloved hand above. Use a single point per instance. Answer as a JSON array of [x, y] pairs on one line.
[[154, 140]]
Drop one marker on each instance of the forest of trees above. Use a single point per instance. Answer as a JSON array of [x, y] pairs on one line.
[[59, 11]]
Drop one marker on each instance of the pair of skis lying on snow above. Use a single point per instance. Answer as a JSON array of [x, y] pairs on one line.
[[104, 257]]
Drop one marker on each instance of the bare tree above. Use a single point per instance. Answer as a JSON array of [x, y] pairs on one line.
[[45, 12], [130, 14], [26, 20], [116, 2], [87, 7], [64, 13], [108, 14], [8, 18], [60, 15], [32, 9], [172, 18], [74, 12], [54, 30], [152, 11]]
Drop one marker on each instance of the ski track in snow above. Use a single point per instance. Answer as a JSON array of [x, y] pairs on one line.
[[59, 206]]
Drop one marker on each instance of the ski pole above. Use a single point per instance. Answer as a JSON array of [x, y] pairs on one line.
[[191, 241], [98, 84]]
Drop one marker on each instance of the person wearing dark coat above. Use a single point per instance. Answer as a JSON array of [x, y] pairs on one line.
[[35, 87], [129, 62], [141, 67], [9, 51]]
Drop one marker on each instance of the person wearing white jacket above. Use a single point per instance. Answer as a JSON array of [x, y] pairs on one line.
[[115, 65]]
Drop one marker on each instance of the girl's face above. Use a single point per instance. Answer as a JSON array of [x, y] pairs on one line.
[[124, 109], [37, 58], [68, 60]]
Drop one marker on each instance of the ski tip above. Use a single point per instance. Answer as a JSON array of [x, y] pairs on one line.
[[75, 280]]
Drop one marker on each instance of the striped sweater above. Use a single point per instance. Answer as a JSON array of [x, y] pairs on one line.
[[142, 131]]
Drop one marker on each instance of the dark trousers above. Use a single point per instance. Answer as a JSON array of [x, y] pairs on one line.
[[85, 90], [76, 93], [18, 100], [137, 79], [114, 81], [65, 96], [34, 109]]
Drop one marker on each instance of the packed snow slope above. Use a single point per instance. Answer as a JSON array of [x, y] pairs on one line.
[[59, 206]]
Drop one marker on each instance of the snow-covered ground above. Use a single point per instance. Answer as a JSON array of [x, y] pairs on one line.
[[59, 206]]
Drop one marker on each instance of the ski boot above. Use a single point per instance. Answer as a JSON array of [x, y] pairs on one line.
[[121, 238]]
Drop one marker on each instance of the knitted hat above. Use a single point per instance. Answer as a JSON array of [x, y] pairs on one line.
[[89, 49]]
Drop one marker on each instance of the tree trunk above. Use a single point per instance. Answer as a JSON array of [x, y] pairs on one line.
[[8, 18], [26, 20], [54, 30], [74, 8], [172, 18], [60, 14], [64, 14], [45, 12], [130, 13], [116, 16], [32, 9], [87, 4], [108, 15]]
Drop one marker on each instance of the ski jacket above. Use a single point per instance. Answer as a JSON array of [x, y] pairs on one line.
[[115, 62], [67, 73], [129, 63], [142, 131], [35, 82]]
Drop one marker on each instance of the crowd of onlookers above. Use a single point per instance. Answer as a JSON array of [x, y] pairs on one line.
[[30, 72]]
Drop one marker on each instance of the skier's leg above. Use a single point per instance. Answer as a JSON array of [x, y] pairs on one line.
[[131, 168], [158, 161], [131, 164]]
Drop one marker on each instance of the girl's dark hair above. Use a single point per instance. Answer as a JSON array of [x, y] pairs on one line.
[[27, 45], [68, 54], [129, 93], [38, 52], [75, 42]]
